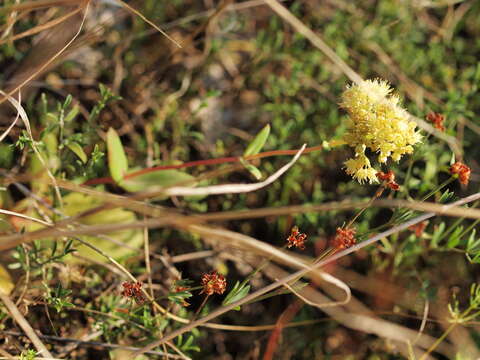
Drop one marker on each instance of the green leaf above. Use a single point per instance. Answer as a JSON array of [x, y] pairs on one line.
[[454, 239], [252, 169], [75, 203], [447, 195], [436, 235], [160, 178], [473, 244], [71, 114], [475, 259], [117, 160], [179, 297], [257, 144], [77, 150], [188, 343], [254, 148], [68, 101], [239, 291], [452, 159]]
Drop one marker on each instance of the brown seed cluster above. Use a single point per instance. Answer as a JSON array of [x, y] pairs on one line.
[[213, 283], [344, 238], [462, 170], [437, 120], [296, 239], [389, 179], [133, 290]]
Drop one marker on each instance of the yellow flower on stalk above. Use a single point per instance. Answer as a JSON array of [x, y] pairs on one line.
[[377, 122]]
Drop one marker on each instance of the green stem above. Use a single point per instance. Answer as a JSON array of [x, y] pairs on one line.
[[400, 212], [379, 192], [434, 191], [439, 340]]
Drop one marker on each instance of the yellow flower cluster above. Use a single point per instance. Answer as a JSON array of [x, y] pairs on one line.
[[376, 122]]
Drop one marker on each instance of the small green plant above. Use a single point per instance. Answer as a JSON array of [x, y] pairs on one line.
[[187, 345], [459, 316], [29, 354], [468, 314], [106, 96], [59, 297], [34, 258]]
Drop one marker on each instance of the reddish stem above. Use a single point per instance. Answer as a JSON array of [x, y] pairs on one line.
[[282, 321], [109, 180], [184, 165]]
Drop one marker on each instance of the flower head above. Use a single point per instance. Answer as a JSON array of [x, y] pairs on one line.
[[344, 238], [213, 283], [437, 120], [296, 239], [389, 179], [462, 170], [376, 122], [133, 290]]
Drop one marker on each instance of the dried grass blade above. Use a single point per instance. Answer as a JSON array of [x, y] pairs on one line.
[[232, 188]]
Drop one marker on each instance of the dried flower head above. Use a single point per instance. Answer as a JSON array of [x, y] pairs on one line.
[[437, 120], [344, 238], [213, 283], [462, 170], [133, 290], [418, 228], [377, 122], [389, 179], [296, 239]]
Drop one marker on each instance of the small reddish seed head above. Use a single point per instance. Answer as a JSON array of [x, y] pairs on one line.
[[213, 283], [437, 120], [418, 228], [389, 179], [181, 288], [344, 238], [133, 290], [296, 239], [462, 170]]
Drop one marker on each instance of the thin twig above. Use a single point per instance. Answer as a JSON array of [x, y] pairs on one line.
[[23, 323], [7, 131], [35, 5], [23, 216], [192, 256], [41, 27], [149, 22], [10, 241]]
